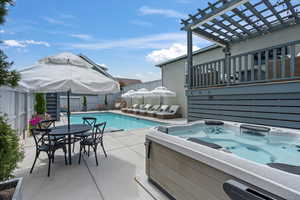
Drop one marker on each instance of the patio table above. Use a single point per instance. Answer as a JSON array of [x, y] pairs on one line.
[[75, 129]]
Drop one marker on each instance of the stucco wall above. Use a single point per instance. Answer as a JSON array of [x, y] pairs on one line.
[[173, 78]]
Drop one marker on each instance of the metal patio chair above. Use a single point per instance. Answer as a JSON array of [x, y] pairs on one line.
[[91, 121], [94, 141], [43, 143]]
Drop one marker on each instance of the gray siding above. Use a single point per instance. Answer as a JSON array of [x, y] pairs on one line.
[[266, 104]]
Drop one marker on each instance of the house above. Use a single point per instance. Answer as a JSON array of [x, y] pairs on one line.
[[258, 64]]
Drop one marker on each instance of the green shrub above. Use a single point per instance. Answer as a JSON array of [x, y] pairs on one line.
[[84, 103], [10, 150], [40, 104]]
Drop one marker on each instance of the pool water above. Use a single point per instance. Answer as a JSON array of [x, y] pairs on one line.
[[273, 147], [116, 121]]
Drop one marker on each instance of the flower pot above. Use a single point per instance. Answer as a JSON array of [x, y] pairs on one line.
[[11, 189]]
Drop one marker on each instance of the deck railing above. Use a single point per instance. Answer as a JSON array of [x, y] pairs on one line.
[[277, 63]]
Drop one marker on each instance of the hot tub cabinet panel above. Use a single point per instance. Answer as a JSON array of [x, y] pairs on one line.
[[185, 178]]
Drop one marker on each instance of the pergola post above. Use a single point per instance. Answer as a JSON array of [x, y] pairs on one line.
[[227, 64], [189, 56]]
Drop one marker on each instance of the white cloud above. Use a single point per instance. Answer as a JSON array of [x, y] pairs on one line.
[[81, 36], [24, 43], [66, 16], [53, 21], [184, 1], [145, 10], [156, 41], [173, 51], [36, 43], [141, 23], [13, 43]]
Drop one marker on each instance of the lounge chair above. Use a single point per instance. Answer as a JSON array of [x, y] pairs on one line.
[[130, 110], [146, 108], [162, 108], [170, 113], [152, 110], [137, 110]]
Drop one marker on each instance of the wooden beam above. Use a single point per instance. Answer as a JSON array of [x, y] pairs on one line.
[[257, 14], [272, 9], [210, 37], [227, 6]]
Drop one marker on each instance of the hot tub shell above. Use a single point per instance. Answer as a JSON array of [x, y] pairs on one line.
[[189, 171]]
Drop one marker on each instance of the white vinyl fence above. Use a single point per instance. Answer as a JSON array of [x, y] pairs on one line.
[[93, 102], [17, 105]]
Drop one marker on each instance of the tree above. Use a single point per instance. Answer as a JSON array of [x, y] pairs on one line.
[[40, 104], [84, 103], [7, 77], [3, 9], [10, 149]]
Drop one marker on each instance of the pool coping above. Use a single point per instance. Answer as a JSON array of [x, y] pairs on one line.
[[177, 121], [273, 180]]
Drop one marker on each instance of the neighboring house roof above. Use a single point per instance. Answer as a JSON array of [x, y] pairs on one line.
[[96, 66], [209, 48], [127, 81]]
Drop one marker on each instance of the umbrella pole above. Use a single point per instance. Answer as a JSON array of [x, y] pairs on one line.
[[69, 113]]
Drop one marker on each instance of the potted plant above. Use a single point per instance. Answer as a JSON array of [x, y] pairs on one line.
[[10, 155], [84, 104]]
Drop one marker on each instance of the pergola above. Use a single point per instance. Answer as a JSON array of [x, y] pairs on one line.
[[226, 22]]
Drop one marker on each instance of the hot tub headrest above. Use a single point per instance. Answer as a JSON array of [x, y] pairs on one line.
[[285, 167], [213, 122], [163, 129], [208, 144]]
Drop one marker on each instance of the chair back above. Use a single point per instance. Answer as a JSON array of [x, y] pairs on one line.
[[174, 109], [41, 136], [147, 107], [91, 121], [141, 106], [135, 105], [155, 108], [163, 108], [46, 124], [99, 131]]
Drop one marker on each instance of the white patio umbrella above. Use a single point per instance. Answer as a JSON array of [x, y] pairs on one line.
[[142, 93], [128, 94], [69, 73], [163, 92]]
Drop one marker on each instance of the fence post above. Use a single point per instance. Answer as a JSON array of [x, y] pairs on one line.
[[227, 63], [190, 56]]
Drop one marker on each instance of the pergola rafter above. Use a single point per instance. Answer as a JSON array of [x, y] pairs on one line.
[[227, 21]]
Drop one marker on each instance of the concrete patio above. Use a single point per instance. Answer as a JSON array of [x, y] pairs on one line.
[[113, 179]]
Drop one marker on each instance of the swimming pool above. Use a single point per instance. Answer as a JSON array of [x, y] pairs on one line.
[[116, 121], [266, 148]]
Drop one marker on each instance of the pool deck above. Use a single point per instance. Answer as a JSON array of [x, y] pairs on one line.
[[120, 176]]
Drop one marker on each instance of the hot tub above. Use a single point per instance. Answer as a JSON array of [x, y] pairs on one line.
[[194, 161]]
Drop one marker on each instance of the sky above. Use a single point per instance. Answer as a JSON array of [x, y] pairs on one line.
[[129, 37]]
